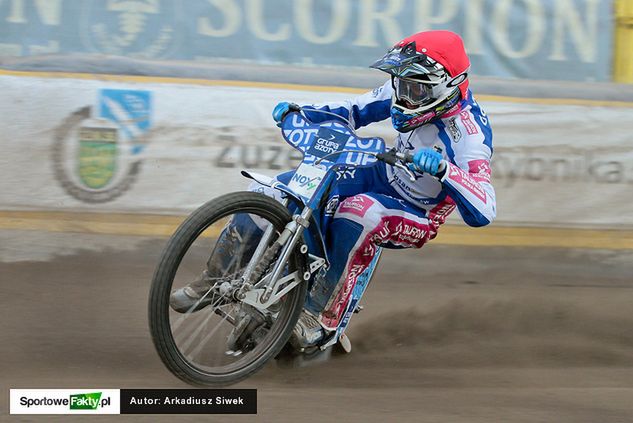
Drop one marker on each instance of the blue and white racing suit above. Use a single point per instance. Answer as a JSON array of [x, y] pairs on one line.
[[380, 205]]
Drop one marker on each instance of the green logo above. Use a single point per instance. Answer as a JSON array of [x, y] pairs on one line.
[[85, 401], [97, 155]]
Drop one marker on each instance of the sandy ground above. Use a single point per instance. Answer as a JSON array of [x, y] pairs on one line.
[[450, 334]]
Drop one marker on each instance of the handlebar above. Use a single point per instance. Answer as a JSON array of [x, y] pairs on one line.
[[391, 157]]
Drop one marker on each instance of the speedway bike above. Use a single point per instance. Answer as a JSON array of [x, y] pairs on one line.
[[257, 256]]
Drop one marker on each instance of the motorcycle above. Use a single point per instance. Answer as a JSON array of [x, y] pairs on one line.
[[265, 253]]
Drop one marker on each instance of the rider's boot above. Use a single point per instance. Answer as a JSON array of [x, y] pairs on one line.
[[194, 296], [307, 332]]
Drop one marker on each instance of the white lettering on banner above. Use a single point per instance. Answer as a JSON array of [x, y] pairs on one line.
[[299, 136], [548, 30], [48, 11], [232, 18], [472, 33], [255, 20], [387, 18], [367, 143], [298, 121], [424, 18], [340, 16], [567, 18], [326, 146], [358, 159], [534, 24], [584, 37]]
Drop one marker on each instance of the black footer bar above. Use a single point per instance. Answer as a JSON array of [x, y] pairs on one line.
[[188, 401]]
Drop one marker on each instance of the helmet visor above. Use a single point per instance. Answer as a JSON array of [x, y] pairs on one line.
[[413, 92]]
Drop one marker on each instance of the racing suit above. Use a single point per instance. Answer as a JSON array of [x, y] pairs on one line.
[[380, 205]]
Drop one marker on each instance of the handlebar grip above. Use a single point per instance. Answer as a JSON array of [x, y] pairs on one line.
[[392, 157], [408, 158], [388, 158]]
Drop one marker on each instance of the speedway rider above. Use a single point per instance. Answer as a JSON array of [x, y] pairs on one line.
[[449, 135]]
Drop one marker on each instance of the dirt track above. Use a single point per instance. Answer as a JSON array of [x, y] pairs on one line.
[[465, 334]]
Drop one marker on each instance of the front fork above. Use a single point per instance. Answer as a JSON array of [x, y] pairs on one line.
[[261, 293]]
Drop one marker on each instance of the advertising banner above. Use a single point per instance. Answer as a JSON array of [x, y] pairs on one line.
[[539, 39], [167, 148]]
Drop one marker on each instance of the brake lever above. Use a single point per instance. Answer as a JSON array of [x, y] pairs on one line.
[[406, 170]]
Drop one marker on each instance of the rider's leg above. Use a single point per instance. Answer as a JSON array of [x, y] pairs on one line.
[[241, 235], [360, 223], [238, 240]]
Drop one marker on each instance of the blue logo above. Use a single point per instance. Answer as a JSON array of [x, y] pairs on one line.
[[129, 110], [327, 142]]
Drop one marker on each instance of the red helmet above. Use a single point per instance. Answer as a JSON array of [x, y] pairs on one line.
[[429, 74]]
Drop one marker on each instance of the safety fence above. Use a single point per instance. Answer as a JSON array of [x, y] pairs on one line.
[[582, 40], [144, 145]]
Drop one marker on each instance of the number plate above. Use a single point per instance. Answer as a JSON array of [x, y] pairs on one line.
[[306, 180]]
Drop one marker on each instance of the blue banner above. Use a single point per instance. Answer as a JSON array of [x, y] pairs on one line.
[[540, 39]]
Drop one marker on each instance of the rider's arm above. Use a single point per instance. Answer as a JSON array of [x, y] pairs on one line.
[[467, 176], [367, 108]]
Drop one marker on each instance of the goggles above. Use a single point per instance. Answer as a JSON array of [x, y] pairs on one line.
[[413, 92]]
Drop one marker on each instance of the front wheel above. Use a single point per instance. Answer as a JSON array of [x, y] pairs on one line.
[[201, 332]]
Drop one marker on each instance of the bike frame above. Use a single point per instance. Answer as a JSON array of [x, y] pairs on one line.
[[327, 147]]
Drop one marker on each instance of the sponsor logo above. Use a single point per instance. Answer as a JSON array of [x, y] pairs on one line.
[[327, 142], [332, 205], [308, 183], [470, 126], [362, 281], [459, 176], [345, 173], [479, 170], [408, 234], [141, 28], [306, 179], [358, 205], [454, 131], [439, 213], [457, 80], [96, 155], [421, 119]]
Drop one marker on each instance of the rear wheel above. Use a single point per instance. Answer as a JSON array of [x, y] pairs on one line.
[[217, 340]]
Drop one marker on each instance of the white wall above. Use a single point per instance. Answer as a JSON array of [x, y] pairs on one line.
[[560, 165]]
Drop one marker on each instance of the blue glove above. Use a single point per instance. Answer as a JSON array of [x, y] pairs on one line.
[[428, 161], [282, 109]]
